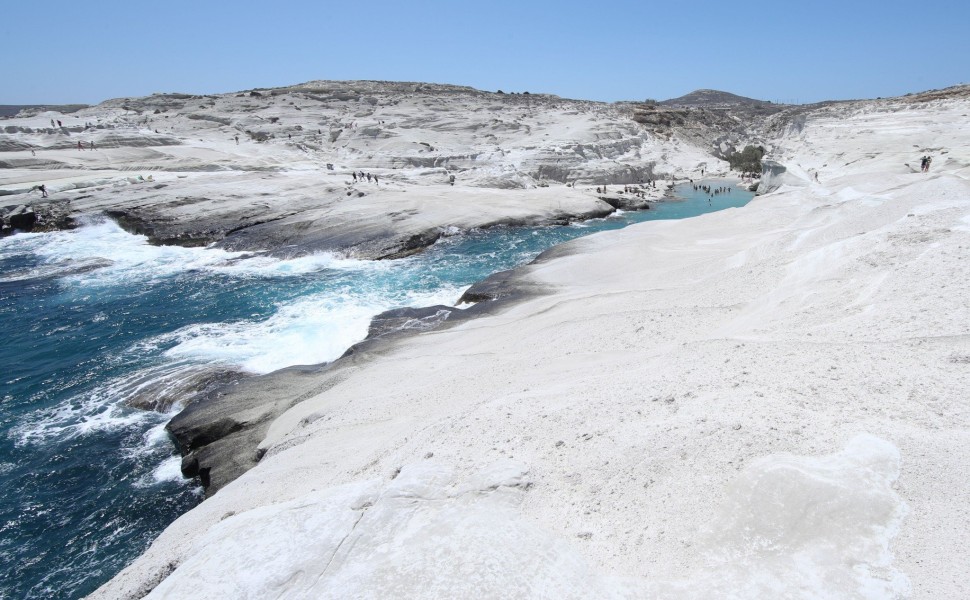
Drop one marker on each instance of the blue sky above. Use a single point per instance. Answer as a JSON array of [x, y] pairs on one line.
[[60, 52]]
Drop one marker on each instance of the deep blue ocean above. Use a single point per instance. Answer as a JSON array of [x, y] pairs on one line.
[[95, 317]]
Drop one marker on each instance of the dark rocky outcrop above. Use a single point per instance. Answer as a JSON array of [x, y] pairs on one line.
[[211, 118], [628, 201], [408, 320], [49, 216], [661, 117], [412, 245], [502, 288], [161, 393], [20, 218], [304, 233], [218, 434], [164, 231]]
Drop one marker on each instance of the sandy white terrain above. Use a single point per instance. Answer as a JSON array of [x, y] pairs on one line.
[[771, 401]]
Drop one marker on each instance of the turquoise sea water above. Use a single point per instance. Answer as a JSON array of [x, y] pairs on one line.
[[95, 317]]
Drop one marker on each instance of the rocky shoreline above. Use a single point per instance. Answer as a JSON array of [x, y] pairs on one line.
[[226, 192], [374, 169], [656, 376], [299, 230], [219, 432]]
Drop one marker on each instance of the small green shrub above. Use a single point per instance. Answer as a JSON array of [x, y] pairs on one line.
[[748, 160]]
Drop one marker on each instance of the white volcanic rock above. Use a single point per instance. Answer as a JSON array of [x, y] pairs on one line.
[[424, 534], [221, 164], [762, 402], [785, 522]]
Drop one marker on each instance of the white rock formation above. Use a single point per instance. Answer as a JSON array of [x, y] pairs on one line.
[[762, 402], [254, 166], [786, 522]]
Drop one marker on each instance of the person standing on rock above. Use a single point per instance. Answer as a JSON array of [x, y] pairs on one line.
[[43, 190]]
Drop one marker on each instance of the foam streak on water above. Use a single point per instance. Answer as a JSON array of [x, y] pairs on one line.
[[97, 320]]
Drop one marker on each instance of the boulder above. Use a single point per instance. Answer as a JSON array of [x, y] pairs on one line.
[[774, 175], [218, 433], [22, 218]]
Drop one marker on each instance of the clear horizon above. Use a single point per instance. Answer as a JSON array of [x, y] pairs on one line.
[[65, 53]]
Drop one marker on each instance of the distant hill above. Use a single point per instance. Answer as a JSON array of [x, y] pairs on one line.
[[715, 99], [11, 110]]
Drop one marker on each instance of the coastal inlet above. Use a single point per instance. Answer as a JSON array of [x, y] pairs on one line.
[[100, 325]]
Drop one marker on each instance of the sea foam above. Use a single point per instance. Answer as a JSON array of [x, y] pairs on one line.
[[311, 330], [100, 260]]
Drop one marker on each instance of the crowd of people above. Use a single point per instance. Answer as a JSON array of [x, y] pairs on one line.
[[360, 176], [632, 189], [712, 191]]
